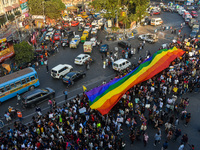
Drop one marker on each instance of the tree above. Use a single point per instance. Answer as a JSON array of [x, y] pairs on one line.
[[24, 53], [50, 8], [134, 9]]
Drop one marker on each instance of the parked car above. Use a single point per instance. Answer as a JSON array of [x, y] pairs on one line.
[[57, 37], [151, 38], [94, 31], [155, 12], [77, 37], [60, 70], [193, 34], [87, 28], [104, 48], [36, 96], [72, 77], [194, 14], [124, 44], [81, 59], [74, 23]]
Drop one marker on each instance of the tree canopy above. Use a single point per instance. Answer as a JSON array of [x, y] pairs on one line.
[[133, 9], [24, 52], [50, 8]]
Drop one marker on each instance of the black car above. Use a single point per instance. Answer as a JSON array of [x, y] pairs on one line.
[[73, 76], [66, 29], [65, 42], [124, 44], [104, 48], [31, 98]]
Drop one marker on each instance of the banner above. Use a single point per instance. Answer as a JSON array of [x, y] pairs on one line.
[[24, 6]]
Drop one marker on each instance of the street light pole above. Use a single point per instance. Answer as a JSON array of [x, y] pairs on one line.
[[43, 11]]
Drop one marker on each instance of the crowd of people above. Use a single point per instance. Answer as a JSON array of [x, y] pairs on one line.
[[157, 104]]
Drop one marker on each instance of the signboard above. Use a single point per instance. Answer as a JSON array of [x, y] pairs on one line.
[[24, 6], [82, 110], [109, 23]]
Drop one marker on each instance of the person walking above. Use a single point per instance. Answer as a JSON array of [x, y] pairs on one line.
[[157, 138], [165, 146], [18, 99], [145, 139], [188, 117], [19, 115], [177, 133], [47, 67], [65, 93], [50, 103]]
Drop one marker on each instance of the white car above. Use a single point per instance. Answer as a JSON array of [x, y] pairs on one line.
[[81, 59], [50, 29], [48, 35], [98, 27], [151, 38], [79, 19], [94, 41], [82, 24], [94, 31], [94, 23], [61, 70], [87, 28], [67, 19], [77, 37]]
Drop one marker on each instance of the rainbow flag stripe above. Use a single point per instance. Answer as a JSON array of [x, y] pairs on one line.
[[103, 98]]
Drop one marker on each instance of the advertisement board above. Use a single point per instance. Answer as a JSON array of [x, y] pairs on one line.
[[24, 6]]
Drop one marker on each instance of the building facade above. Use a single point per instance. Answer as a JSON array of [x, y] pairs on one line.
[[9, 6]]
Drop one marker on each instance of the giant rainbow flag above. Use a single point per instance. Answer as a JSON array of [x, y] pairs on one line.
[[103, 98]]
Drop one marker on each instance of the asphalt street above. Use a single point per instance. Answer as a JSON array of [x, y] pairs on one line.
[[96, 75]]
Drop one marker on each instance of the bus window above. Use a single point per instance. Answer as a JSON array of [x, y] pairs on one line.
[[7, 87], [23, 81], [18, 83], [12, 85], [2, 89], [27, 79], [16, 80]]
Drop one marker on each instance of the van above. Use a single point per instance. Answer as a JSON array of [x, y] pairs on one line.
[[156, 21], [121, 64], [181, 11], [60, 70]]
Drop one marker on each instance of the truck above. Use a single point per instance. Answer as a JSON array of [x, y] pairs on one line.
[[87, 47], [74, 43]]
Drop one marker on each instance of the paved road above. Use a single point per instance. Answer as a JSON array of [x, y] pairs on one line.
[[97, 74]]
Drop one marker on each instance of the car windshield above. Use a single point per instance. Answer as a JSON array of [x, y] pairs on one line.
[[69, 75], [78, 58]]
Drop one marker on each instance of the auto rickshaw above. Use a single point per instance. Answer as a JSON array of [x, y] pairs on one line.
[[85, 33], [83, 38]]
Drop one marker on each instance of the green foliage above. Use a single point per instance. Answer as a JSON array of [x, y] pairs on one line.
[[51, 8], [11, 17], [24, 52], [17, 13], [134, 9]]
